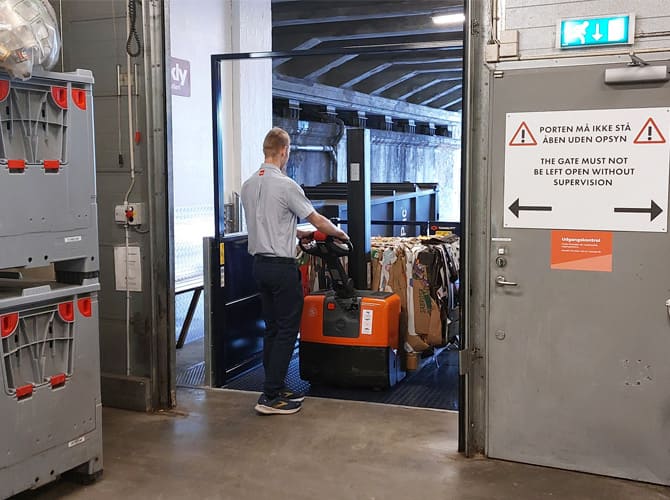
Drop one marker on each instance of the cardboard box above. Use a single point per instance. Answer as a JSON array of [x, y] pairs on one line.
[[427, 314], [376, 269], [412, 361], [427, 317]]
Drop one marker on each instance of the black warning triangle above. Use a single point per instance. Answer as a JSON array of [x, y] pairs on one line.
[[523, 136], [650, 134]]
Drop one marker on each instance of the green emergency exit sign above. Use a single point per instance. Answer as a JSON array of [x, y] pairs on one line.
[[596, 31]]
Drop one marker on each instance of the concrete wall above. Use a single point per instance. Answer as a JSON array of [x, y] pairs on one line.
[[94, 37], [536, 21], [395, 156], [399, 157]]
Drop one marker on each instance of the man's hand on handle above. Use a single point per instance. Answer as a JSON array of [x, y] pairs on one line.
[[304, 235], [324, 225]]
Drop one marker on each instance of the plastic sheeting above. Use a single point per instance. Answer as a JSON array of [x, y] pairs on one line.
[[28, 36]]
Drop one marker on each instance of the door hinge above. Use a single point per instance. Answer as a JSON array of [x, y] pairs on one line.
[[466, 358]]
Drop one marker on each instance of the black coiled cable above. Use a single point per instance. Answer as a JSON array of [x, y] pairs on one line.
[[133, 37]]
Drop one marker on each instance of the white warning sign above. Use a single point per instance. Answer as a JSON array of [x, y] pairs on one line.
[[366, 322], [588, 170]]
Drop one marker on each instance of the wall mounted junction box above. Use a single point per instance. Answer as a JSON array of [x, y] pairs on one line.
[[133, 213]]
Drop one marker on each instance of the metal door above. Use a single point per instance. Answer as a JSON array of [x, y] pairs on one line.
[[578, 371]]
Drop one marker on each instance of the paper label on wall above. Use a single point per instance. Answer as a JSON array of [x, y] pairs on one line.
[[581, 250], [602, 169], [366, 322], [133, 267], [355, 172], [76, 442]]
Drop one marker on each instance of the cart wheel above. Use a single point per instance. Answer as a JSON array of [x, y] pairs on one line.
[[81, 474]]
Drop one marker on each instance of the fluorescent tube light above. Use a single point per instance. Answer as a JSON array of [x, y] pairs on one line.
[[449, 19]]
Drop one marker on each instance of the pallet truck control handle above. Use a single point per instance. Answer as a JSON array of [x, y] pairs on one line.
[[323, 245]]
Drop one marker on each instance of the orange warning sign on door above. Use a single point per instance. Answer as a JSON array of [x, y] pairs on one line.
[[581, 250], [650, 134], [523, 136]]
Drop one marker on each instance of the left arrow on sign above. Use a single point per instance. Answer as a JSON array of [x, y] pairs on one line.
[[654, 211], [515, 208]]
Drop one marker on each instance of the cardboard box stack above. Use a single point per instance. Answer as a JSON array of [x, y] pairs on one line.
[[424, 272]]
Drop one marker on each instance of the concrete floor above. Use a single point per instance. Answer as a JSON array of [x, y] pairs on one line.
[[215, 447]]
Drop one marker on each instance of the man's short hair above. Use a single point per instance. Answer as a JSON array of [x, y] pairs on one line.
[[275, 140]]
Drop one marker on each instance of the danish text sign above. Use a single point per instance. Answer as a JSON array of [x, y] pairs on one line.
[[603, 170]]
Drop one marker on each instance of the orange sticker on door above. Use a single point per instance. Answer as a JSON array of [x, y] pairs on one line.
[[581, 250]]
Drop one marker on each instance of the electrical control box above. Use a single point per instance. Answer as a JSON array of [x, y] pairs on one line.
[[134, 214]]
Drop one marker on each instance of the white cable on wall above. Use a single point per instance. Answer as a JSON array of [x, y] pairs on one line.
[[131, 149], [131, 144]]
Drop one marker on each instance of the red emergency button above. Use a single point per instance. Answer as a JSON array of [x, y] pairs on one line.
[[331, 306]]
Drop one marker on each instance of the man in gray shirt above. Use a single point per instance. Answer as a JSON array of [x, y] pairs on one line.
[[273, 203]]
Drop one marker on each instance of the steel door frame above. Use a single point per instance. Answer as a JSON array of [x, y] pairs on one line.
[[219, 192]]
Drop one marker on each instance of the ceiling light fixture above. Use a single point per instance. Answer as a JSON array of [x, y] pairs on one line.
[[449, 19]]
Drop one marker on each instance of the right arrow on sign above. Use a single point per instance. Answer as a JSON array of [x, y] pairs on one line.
[[515, 208], [654, 211]]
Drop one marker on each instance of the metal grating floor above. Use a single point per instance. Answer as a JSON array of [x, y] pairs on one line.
[[193, 376], [434, 386], [190, 365]]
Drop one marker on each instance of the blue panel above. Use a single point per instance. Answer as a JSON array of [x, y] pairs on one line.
[[237, 322], [243, 333], [239, 264]]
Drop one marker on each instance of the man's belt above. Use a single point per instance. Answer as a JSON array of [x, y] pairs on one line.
[[275, 260]]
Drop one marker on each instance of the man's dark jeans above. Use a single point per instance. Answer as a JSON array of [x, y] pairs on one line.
[[278, 281]]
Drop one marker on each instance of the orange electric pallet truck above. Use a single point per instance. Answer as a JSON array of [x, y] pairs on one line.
[[348, 337]]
